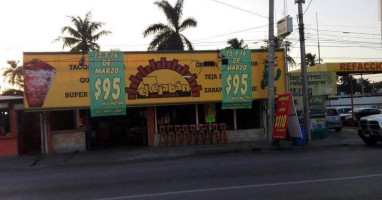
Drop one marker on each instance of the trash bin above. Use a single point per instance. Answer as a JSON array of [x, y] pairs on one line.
[[300, 141]]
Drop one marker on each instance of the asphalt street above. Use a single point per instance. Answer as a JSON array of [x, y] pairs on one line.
[[343, 172]]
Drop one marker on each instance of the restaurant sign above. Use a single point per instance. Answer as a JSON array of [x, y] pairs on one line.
[[61, 80], [236, 78], [107, 81]]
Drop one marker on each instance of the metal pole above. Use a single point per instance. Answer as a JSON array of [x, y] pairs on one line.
[[234, 120], [380, 17], [271, 84], [303, 72], [351, 98], [318, 38], [286, 67]]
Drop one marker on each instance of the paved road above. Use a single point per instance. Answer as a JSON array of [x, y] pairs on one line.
[[353, 172]]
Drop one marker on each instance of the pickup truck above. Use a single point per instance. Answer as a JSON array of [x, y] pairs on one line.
[[370, 129]]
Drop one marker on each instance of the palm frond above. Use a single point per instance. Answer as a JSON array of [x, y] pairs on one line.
[[158, 40], [171, 14], [82, 34], [156, 28], [98, 35], [189, 22], [188, 43]]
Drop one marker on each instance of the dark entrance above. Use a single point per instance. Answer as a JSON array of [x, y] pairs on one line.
[[114, 131], [29, 132]]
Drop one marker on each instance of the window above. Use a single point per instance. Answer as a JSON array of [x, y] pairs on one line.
[[63, 120], [5, 125]]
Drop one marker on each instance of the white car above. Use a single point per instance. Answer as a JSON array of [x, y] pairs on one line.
[[370, 129], [333, 119]]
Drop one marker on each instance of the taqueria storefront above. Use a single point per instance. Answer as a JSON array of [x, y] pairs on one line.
[[156, 89]]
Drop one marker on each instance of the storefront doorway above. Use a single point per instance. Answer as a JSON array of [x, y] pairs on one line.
[[28, 132], [115, 131]]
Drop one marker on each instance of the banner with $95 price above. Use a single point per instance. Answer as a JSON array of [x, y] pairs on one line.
[[107, 83], [236, 78]]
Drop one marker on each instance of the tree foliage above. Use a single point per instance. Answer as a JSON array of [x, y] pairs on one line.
[[311, 59], [168, 36], [14, 74], [345, 85], [279, 42], [83, 35], [234, 43]]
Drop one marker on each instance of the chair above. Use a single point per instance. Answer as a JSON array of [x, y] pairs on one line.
[[223, 133], [215, 133], [201, 134], [193, 134], [163, 135], [186, 134], [170, 133], [178, 135]]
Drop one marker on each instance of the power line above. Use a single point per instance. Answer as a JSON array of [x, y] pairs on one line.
[[231, 33], [308, 6], [347, 32], [347, 26], [240, 9]]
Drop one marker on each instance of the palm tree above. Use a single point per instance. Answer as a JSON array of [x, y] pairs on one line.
[[278, 43], [14, 74], [169, 37], [311, 59], [83, 35], [234, 43]]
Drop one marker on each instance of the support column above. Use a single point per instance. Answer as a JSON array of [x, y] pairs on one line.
[[151, 118]]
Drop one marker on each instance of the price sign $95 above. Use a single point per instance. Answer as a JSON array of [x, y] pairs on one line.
[[106, 87], [236, 83]]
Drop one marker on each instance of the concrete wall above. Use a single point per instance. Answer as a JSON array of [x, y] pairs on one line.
[[357, 101], [8, 146], [68, 141], [246, 135]]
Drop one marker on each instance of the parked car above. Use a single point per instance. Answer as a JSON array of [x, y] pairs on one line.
[[370, 129], [361, 112], [333, 119]]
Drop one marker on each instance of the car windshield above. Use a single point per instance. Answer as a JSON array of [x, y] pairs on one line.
[[332, 112]]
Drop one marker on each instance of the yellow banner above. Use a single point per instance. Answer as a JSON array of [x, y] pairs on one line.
[[355, 67], [59, 80]]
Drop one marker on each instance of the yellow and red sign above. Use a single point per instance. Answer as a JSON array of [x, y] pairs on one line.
[[152, 78], [282, 115]]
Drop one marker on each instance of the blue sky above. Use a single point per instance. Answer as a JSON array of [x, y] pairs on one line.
[[349, 30]]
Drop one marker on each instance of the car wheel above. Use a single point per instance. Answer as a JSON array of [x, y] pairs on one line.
[[338, 129], [370, 141]]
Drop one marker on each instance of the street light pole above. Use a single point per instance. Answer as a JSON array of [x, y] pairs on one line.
[[303, 70], [271, 84]]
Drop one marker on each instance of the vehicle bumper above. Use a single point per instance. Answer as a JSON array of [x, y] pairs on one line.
[[334, 125], [366, 133]]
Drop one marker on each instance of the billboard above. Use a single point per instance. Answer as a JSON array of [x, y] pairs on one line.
[[236, 78], [319, 83], [151, 78]]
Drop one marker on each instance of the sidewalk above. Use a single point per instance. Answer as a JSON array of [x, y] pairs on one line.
[[124, 155]]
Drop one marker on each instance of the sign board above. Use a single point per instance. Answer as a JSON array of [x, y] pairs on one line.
[[236, 78], [286, 118], [106, 81], [284, 26], [293, 123], [319, 83], [151, 78], [210, 112]]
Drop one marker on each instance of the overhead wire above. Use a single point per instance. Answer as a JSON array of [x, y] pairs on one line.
[[247, 11]]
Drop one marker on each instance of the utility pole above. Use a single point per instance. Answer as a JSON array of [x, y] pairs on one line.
[[271, 84], [303, 70], [318, 38]]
